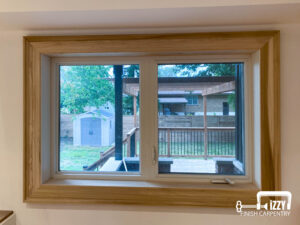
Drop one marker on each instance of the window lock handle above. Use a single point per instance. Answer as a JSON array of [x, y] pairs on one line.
[[154, 161]]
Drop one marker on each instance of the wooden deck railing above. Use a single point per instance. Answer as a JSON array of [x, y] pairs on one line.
[[187, 142], [128, 144], [190, 142]]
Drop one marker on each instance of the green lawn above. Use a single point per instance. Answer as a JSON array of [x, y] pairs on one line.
[[75, 157]]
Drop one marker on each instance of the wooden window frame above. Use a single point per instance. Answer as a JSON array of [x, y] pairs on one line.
[[141, 192]]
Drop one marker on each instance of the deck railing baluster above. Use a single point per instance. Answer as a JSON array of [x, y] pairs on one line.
[[182, 142]]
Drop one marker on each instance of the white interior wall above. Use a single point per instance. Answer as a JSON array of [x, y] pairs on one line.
[[11, 145]]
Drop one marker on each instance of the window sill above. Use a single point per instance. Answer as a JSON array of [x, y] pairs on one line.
[[149, 184], [142, 192]]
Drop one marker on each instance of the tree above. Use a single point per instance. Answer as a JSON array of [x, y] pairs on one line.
[[80, 87], [91, 85], [212, 69], [130, 71]]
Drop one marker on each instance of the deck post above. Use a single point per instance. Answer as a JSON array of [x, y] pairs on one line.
[[128, 145], [132, 145], [205, 125], [135, 124], [168, 141], [134, 111], [118, 72]]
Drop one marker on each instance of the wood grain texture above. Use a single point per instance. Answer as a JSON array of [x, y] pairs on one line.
[[32, 120], [4, 214], [268, 44], [270, 115], [171, 194], [276, 152], [156, 43]]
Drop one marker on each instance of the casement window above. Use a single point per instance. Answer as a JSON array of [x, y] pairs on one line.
[[98, 117], [116, 119], [98, 126]]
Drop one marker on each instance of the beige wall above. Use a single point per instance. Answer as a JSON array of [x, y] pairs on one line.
[[11, 141], [67, 5]]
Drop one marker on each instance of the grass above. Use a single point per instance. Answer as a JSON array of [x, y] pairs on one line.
[[73, 158]]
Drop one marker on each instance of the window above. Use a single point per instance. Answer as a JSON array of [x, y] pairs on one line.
[[99, 118], [192, 99], [108, 120], [92, 97], [89, 105], [198, 142]]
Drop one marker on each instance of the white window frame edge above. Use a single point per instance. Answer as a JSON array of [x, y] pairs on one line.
[[145, 63]]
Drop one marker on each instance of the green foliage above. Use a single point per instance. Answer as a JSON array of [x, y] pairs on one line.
[[88, 85], [220, 70], [168, 71], [127, 105], [85, 85], [196, 70], [132, 71]]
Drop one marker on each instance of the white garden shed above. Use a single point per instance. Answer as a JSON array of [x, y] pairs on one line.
[[95, 128]]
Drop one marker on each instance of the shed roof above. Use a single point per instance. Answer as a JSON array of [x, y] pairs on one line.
[[100, 112]]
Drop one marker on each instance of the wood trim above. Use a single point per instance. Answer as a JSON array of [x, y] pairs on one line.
[[267, 42], [149, 44], [170, 194], [270, 114], [211, 35], [32, 119], [4, 214]]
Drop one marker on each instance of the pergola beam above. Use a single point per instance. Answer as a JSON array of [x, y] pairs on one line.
[[131, 85], [131, 89], [228, 86]]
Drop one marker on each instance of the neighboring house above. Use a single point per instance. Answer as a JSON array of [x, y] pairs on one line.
[[94, 128], [191, 103]]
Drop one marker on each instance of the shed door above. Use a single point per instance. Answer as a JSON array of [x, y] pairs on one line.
[[91, 131]]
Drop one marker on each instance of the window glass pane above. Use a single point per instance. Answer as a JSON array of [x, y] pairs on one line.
[[195, 100], [99, 118], [200, 109]]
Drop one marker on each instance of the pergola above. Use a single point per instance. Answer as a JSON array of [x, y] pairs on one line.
[[130, 86], [202, 85]]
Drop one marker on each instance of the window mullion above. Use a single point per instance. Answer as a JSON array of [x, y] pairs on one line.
[[148, 118]]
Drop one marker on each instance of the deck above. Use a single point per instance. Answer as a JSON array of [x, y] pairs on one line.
[[193, 166], [178, 166]]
